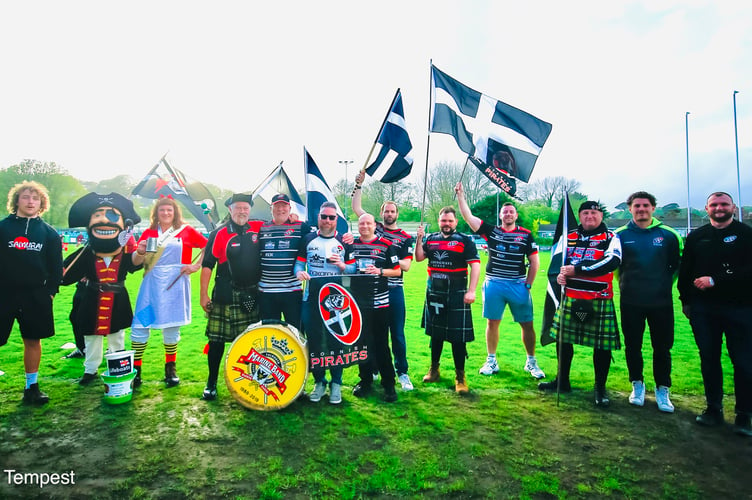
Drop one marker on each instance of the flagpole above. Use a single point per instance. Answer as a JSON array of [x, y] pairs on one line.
[[738, 183], [564, 241], [689, 206], [428, 140]]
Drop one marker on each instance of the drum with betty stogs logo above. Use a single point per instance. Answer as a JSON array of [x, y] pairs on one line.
[[267, 366]]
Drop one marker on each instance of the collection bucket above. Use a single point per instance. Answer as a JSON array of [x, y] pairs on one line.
[[118, 390], [119, 363]]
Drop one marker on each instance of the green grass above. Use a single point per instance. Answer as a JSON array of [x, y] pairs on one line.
[[504, 440]]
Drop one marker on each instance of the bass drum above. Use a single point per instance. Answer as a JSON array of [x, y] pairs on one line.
[[266, 367]]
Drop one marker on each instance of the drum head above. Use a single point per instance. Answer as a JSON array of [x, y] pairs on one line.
[[267, 366]]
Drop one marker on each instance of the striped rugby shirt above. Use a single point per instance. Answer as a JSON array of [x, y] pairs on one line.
[[507, 250], [279, 250], [403, 243]]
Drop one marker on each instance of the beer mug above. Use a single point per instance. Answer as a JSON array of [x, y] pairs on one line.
[[151, 245]]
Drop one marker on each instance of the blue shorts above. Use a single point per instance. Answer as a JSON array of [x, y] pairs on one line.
[[497, 293]]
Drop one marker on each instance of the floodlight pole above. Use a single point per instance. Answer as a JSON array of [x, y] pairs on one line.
[[689, 207], [346, 163], [738, 182]]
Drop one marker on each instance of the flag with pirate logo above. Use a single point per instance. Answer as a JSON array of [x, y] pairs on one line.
[[343, 326]]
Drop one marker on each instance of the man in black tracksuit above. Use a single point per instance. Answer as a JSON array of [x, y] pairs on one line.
[[31, 266], [714, 278]]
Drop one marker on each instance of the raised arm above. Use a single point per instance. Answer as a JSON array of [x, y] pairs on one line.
[[472, 221]]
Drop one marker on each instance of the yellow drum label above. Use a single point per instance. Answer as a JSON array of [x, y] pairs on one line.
[[267, 366]]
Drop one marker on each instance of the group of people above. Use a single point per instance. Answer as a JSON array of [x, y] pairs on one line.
[[260, 268]]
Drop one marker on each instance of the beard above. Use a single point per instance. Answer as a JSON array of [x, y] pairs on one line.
[[721, 217], [103, 245], [447, 230], [389, 220]]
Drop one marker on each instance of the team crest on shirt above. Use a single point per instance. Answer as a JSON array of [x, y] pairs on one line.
[[289, 232], [729, 239], [658, 241], [340, 313]]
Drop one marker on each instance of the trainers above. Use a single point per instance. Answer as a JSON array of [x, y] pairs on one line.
[[601, 397], [87, 379], [552, 386], [637, 397], [318, 392], [390, 395], [361, 390], [531, 366], [662, 400], [710, 417], [489, 367], [335, 394], [34, 396], [210, 392], [404, 380], [75, 353], [742, 425]]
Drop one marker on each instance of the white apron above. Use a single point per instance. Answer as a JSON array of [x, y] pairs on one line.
[[157, 307]]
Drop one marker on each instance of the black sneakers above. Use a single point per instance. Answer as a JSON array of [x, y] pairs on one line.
[[87, 379], [710, 417], [34, 396], [742, 425], [601, 398], [361, 390], [390, 395], [551, 386], [210, 392]]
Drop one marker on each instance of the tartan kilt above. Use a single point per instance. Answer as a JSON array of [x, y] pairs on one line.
[[599, 331], [227, 321], [454, 321]]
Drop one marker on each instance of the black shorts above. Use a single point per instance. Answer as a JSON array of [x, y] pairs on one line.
[[33, 311]]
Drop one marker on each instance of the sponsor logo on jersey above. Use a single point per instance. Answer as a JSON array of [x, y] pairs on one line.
[[23, 243]]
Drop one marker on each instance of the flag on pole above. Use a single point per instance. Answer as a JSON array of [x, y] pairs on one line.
[[494, 132], [277, 182], [317, 192], [497, 176], [165, 180], [394, 158], [566, 223]]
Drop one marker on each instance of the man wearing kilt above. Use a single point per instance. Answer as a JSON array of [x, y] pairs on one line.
[[234, 249], [587, 315], [446, 314]]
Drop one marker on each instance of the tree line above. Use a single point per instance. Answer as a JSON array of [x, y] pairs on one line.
[[540, 206]]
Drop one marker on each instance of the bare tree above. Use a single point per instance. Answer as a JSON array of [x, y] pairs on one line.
[[443, 176], [548, 189]]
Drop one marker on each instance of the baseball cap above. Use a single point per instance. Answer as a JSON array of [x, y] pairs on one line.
[[280, 198]]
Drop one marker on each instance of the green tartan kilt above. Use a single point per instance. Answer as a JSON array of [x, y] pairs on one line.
[[600, 329], [227, 321]]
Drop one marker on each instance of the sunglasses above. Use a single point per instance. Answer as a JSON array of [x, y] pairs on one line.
[[327, 217]]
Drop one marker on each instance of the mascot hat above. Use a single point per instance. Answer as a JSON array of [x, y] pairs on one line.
[[80, 212]]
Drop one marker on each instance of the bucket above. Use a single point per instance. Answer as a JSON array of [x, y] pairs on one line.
[[118, 390], [119, 363]]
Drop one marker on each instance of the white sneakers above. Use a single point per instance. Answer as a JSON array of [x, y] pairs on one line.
[[531, 366], [489, 367], [318, 392], [404, 380], [637, 397], [335, 394], [661, 398]]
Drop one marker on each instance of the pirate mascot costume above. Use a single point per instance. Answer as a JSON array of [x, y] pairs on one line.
[[101, 307]]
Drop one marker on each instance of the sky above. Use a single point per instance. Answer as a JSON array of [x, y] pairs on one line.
[[230, 89]]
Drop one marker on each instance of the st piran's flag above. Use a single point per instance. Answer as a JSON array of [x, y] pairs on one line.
[[492, 131], [277, 182]]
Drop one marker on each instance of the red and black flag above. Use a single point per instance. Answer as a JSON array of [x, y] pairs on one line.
[[165, 180]]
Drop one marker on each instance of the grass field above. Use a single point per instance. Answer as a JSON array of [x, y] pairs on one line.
[[504, 440]]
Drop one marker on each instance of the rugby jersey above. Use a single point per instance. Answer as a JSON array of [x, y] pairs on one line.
[[279, 249], [507, 250], [372, 291], [403, 243]]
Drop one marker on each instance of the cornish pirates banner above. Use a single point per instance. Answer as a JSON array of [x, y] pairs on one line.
[[343, 323]]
